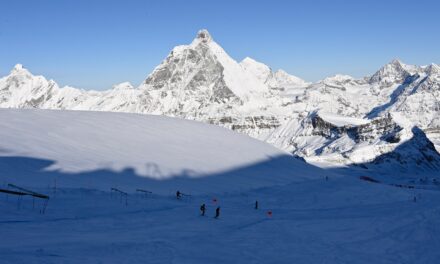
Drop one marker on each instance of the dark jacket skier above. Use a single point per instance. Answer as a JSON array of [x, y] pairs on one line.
[[178, 195], [217, 212], [256, 205], [203, 209]]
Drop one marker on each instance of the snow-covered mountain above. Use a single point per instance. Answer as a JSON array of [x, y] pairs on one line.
[[339, 119], [201, 81], [21, 89], [332, 139]]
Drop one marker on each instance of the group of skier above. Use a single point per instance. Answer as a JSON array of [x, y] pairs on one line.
[[217, 211], [203, 206], [203, 211]]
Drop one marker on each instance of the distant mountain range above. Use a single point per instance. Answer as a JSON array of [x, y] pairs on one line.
[[338, 120]]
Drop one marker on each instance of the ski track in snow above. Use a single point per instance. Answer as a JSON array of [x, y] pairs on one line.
[[343, 220]]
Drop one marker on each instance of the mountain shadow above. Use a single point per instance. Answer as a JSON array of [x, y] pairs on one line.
[[415, 157], [32, 172]]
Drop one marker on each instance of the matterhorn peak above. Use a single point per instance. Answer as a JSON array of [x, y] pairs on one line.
[[204, 36], [18, 67]]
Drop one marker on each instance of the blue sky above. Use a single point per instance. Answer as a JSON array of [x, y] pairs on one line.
[[94, 44]]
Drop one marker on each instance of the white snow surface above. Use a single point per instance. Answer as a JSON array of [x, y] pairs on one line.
[[154, 147], [75, 157]]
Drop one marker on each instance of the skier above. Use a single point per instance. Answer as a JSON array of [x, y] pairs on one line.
[[203, 209], [178, 195], [256, 205], [217, 212]]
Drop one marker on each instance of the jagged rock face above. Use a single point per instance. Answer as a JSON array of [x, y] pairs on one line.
[[189, 80], [254, 126], [325, 129], [323, 137], [380, 128]]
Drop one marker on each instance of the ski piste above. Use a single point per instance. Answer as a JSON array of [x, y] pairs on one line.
[[313, 210]]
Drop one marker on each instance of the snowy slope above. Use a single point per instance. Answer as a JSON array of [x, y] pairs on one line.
[[139, 147], [339, 221], [280, 83], [275, 80]]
